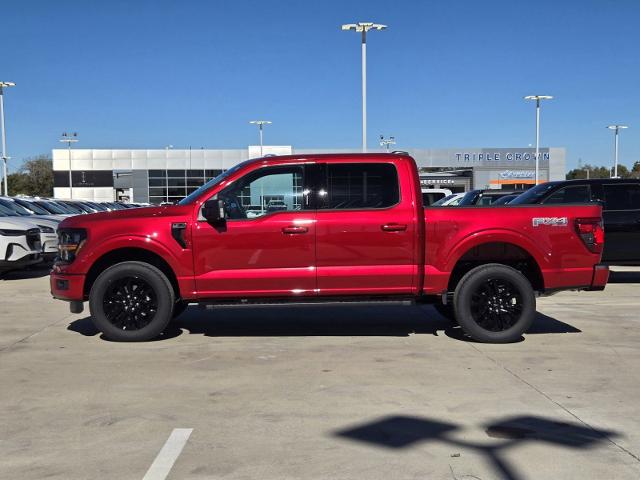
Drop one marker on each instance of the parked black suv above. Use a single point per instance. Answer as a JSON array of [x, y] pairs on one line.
[[621, 211]]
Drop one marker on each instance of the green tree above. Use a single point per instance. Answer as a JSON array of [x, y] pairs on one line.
[[18, 184], [34, 178], [600, 172]]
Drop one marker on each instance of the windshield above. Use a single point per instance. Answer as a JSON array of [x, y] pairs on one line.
[[196, 193], [469, 198], [52, 208], [30, 206], [534, 195], [442, 200], [14, 207], [8, 212]]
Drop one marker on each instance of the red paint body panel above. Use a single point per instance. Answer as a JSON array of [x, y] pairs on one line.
[[403, 250]]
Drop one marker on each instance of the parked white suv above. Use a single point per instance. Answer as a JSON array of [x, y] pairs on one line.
[[19, 244], [48, 228]]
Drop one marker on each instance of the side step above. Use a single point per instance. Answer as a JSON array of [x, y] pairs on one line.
[[328, 301]]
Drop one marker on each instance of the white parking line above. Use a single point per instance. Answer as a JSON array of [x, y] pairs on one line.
[[163, 463]]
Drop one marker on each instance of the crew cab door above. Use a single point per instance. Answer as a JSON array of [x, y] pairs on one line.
[[621, 216], [266, 245], [366, 229]]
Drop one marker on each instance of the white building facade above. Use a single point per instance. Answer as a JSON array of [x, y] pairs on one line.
[[167, 175]]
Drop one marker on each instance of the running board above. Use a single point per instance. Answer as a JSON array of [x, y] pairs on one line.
[[279, 302]]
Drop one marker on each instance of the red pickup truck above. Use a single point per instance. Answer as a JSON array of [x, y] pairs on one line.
[[321, 228]]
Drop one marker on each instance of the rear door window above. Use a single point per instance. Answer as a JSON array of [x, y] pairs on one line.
[[361, 186], [570, 194], [622, 197]]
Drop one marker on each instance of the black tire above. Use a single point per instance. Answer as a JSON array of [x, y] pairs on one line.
[[494, 303], [131, 302], [178, 308]]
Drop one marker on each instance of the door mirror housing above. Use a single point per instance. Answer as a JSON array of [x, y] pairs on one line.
[[213, 211]]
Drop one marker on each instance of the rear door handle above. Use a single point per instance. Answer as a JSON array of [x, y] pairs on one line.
[[393, 227], [294, 229]]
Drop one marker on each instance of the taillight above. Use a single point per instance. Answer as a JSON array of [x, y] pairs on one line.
[[591, 232]]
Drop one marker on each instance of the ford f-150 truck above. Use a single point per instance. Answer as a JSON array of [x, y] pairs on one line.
[[347, 227]]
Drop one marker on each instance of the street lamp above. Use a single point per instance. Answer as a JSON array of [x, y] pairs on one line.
[[537, 98], [386, 142], [363, 28], [616, 128], [261, 124], [4, 136], [69, 139]]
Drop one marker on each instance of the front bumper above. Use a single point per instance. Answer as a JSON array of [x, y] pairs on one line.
[[22, 262], [67, 286]]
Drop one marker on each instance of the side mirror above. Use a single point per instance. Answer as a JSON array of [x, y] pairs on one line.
[[213, 211]]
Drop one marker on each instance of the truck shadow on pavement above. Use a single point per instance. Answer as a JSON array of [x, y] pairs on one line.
[[36, 271], [399, 432], [624, 277], [303, 321]]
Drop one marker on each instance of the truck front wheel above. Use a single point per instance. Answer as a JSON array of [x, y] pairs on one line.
[[131, 302], [494, 303]]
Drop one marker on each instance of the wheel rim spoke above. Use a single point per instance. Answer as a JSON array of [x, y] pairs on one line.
[[130, 303]]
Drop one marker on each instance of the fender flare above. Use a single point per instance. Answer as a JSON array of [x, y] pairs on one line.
[[482, 237], [142, 242]]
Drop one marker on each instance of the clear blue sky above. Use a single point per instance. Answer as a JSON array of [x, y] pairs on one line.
[[145, 74]]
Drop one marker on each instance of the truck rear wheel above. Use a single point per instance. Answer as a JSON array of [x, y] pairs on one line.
[[494, 303], [131, 302]]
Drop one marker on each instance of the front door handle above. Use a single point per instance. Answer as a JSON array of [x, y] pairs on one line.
[[294, 229], [394, 227]]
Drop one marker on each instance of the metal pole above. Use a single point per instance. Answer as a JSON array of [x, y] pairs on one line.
[[615, 164], [364, 90], [260, 128], [537, 140], [4, 144], [70, 176]]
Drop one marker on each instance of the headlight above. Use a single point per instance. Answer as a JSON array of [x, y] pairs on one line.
[[70, 241], [45, 229], [12, 233]]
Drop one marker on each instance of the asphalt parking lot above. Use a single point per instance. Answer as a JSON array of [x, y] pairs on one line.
[[323, 392]]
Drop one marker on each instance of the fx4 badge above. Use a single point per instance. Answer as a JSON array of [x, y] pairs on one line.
[[551, 221]]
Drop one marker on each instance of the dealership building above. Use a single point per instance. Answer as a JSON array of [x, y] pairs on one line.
[[167, 175]]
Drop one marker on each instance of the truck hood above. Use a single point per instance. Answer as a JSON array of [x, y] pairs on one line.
[[80, 221]]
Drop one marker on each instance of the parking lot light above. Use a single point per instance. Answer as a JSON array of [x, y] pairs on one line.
[[260, 124], [69, 139], [616, 128], [537, 98], [363, 28], [4, 136]]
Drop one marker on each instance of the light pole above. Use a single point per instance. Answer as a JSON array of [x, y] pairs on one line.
[[387, 142], [363, 28], [537, 98], [616, 128], [4, 136], [69, 139], [261, 124]]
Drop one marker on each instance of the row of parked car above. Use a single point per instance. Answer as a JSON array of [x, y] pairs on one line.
[[28, 227], [620, 200]]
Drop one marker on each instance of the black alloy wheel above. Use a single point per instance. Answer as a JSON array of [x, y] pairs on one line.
[[494, 303], [130, 303]]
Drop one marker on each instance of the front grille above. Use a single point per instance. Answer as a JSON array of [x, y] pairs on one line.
[[33, 239]]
